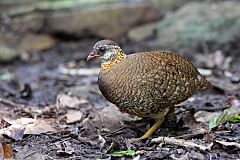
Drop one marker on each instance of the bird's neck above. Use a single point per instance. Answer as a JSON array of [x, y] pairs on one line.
[[114, 59]]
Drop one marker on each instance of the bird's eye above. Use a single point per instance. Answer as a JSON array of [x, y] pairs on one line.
[[101, 49]]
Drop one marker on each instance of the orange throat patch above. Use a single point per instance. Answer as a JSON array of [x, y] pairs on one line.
[[108, 64]]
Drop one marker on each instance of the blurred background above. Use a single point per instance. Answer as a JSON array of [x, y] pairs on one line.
[[40, 39], [37, 37], [201, 26], [44, 73]]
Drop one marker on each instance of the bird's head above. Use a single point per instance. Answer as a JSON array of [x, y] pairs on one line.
[[108, 51]]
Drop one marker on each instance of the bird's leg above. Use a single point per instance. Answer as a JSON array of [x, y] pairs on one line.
[[170, 118], [158, 121]]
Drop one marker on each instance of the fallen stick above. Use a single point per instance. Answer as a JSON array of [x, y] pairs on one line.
[[181, 142], [192, 134], [8, 103], [228, 143], [79, 72]]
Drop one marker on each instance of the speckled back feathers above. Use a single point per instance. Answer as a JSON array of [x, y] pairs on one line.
[[145, 83]]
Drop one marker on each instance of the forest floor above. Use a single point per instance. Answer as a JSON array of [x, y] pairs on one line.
[[51, 108]]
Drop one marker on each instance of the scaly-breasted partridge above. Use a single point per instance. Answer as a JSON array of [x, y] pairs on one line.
[[145, 84]]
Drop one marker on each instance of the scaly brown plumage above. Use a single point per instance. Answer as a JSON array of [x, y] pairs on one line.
[[146, 84]]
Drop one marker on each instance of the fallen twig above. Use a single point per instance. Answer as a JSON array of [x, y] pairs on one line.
[[8, 103], [228, 143], [181, 142], [66, 139], [102, 140], [118, 131], [192, 134], [79, 72]]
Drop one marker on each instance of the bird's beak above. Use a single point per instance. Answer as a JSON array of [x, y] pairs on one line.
[[93, 55]]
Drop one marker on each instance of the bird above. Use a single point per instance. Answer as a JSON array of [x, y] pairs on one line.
[[145, 84]]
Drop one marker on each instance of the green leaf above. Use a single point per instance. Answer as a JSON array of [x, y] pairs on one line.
[[235, 119], [228, 115], [125, 153]]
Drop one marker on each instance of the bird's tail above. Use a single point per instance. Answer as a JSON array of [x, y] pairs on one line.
[[205, 84]]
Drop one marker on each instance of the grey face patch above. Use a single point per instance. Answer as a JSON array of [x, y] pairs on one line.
[[109, 55], [108, 49]]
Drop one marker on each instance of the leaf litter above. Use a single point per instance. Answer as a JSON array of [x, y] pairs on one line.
[[228, 115], [66, 116]]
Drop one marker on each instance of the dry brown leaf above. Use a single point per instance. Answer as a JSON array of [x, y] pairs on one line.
[[28, 154], [39, 127], [223, 84], [20, 121], [1, 151], [112, 118], [5, 152], [204, 116], [64, 101], [17, 127], [14, 131], [73, 116], [22, 126]]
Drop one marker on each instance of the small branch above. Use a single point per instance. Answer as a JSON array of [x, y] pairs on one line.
[[228, 143], [118, 131], [8, 103], [215, 108], [181, 142], [79, 72], [192, 134]]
